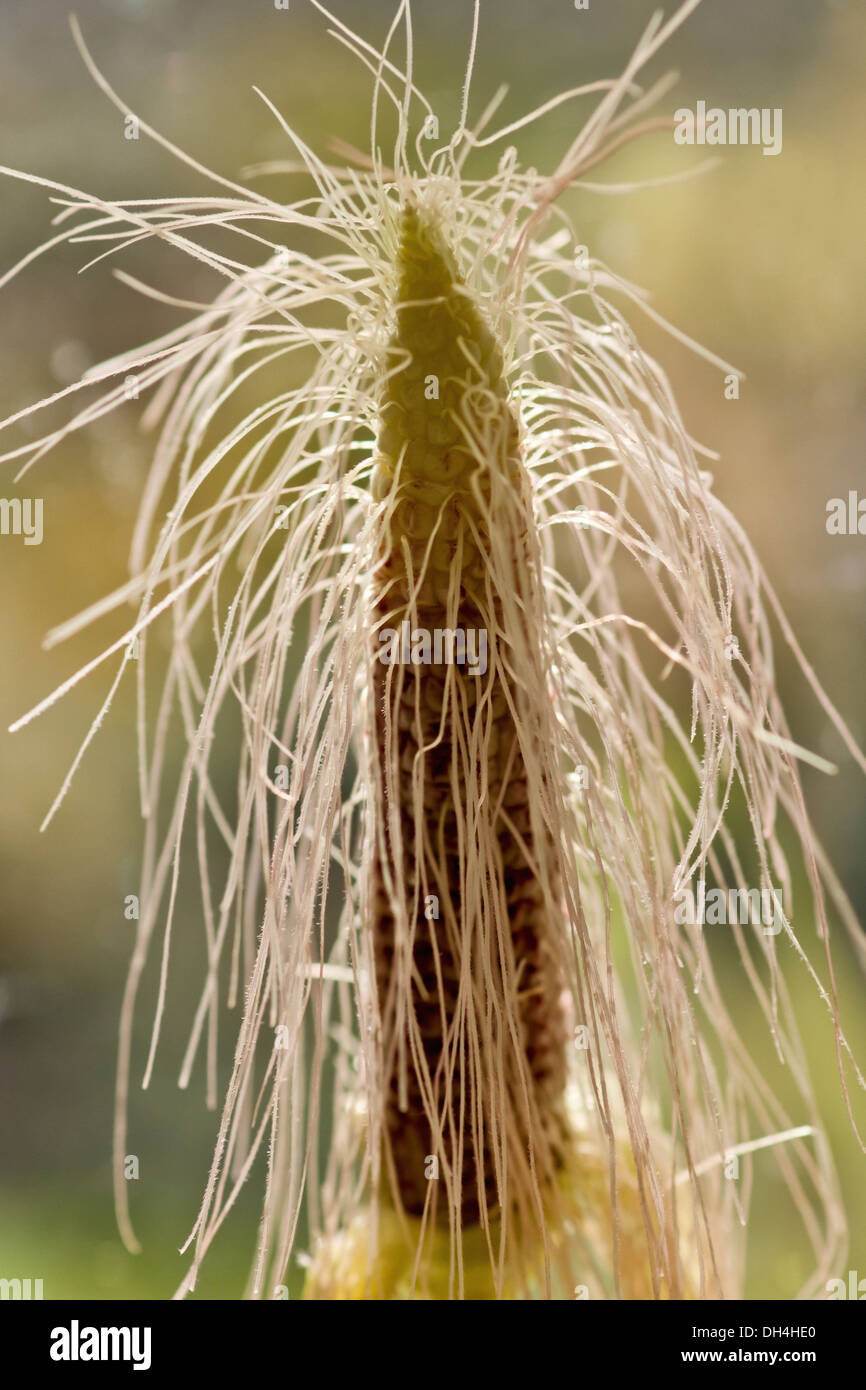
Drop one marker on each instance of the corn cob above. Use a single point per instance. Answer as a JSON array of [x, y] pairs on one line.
[[448, 471]]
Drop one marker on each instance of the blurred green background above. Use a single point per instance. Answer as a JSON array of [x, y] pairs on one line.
[[760, 259]]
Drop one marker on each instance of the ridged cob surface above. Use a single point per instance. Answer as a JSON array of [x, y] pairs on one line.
[[460, 926]]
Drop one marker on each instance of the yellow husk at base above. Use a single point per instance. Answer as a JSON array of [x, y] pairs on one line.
[[348, 1266]]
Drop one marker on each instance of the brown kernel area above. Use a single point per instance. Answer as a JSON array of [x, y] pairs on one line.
[[446, 426]]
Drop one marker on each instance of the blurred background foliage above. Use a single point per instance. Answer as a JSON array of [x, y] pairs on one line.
[[760, 258]]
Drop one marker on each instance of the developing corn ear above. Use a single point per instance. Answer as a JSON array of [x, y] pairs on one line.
[[480, 1053]]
